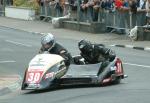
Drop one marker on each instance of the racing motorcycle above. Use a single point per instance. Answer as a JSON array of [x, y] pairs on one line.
[[49, 70]]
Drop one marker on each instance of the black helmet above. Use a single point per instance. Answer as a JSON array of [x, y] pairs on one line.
[[48, 41], [85, 46]]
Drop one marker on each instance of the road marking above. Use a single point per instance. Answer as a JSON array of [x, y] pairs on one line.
[[17, 43], [145, 66], [147, 49], [10, 61], [129, 46]]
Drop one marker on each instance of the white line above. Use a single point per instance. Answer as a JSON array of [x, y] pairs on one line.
[[129, 46], [112, 45], [11, 61], [145, 66], [17, 43], [147, 49], [42, 33]]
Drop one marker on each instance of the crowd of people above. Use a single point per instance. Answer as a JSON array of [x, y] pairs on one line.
[[125, 11], [138, 10]]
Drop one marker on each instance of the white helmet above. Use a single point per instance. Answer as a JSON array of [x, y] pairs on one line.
[[48, 41]]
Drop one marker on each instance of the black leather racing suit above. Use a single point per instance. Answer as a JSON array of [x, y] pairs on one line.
[[98, 53], [60, 50]]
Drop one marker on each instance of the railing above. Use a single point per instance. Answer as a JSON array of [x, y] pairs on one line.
[[113, 19], [48, 10]]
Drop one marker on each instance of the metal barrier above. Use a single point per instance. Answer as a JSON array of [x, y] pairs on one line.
[[112, 18], [115, 19], [48, 10], [45, 10], [118, 20], [125, 21]]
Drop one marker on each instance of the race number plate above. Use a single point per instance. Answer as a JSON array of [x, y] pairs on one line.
[[34, 76]]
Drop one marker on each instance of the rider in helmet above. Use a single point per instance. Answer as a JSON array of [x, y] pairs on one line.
[[49, 44], [94, 53]]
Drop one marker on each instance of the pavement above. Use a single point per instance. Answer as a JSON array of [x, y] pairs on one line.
[[8, 83]]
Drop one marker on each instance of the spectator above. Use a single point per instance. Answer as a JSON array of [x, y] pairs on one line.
[[148, 12], [102, 11], [52, 7], [109, 5], [118, 5], [58, 7], [84, 5], [73, 4], [42, 7], [96, 8], [103, 2], [65, 5], [109, 10], [124, 16], [122, 12], [73, 8], [141, 12], [133, 6], [133, 12], [83, 8], [89, 6]]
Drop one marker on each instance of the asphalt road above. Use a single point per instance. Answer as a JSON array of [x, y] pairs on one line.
[[18, 47]]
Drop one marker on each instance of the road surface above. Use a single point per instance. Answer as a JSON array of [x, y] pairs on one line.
[[18, 47]]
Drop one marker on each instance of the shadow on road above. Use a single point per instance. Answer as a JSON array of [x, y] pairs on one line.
[[69, 87]]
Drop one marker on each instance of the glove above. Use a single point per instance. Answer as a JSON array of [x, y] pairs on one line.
[[67, 62], [110, 54], [66, 56], [79, 60], [112, 57]]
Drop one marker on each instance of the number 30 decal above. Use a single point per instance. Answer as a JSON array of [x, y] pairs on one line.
[[33, 77]]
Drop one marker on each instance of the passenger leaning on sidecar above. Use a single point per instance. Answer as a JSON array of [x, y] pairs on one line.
[[49, 44], [94, 53]]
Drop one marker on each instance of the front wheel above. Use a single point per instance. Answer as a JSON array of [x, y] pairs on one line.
[[23, 82]]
